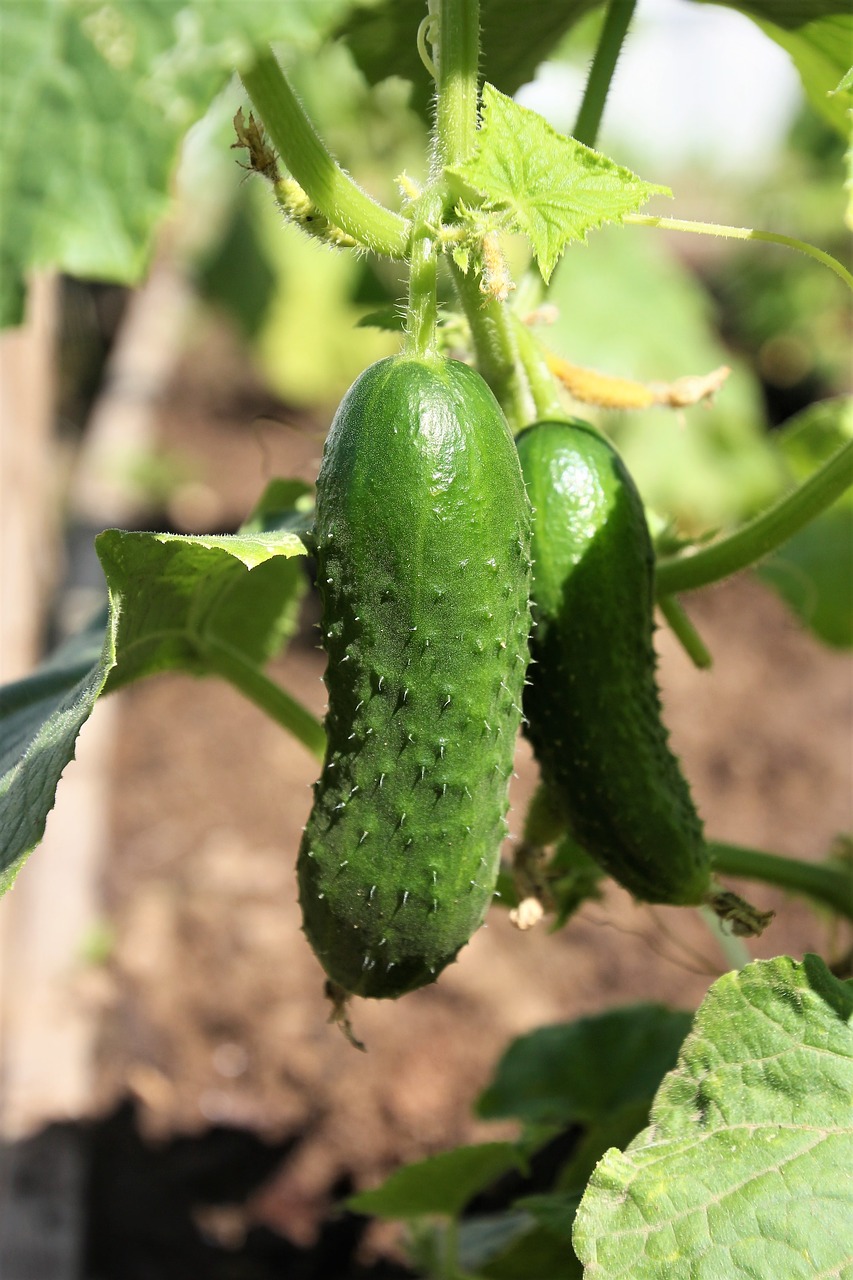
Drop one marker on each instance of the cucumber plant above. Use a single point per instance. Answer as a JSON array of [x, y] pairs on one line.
[[421, 536]]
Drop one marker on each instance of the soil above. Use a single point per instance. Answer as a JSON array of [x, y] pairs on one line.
[[215, 1021]]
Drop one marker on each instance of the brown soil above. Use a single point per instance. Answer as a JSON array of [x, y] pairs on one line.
[[216, 1012]]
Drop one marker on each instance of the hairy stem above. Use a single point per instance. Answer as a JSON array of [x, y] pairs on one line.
[[827, 884], [742, 233], [270, 697], [767, 531], [496, 349], [457, 47], [613, 33], [422, 311], [304, 153], [543, 388]]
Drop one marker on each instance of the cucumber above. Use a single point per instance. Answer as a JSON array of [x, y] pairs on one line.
[[592, 701], [422, 538]]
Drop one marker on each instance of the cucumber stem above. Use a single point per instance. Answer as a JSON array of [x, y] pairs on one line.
[[831, 885], [543, 387], [306, 156], [454, 34], [685, 632], [266, 694], [496, 349], [422, 310], [613, 33], [456, 48], [759, 536]]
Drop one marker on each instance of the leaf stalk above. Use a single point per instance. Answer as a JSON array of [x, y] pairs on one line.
[[755, 539]]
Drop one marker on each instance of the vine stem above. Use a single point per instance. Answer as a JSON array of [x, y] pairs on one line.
[[543, 387], [457, 46], [767, 531], [830, 885], [613, 33], [742, 233], [454, 35], [270, 697], [422, 310], [685, 632], [306, 156], [496, 349]]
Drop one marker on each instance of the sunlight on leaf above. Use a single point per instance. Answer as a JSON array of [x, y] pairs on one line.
[[551, 188], [742, 1170]]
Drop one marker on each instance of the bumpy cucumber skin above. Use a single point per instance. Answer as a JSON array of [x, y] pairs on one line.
[[592, 700], [422, 537]]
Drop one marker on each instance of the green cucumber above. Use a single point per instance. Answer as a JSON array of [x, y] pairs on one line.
[[592, 701], [422, 538]]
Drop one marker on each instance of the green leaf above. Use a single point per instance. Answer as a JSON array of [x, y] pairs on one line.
[[180, 597], [200, 604], [813, 571], [286, 506], [549, 187], [41, 717], [515, 41], [818, 36], [95, 100], [743, 1169], [481, 1239], [580, 1072], [544, 1251], [442, 1184], [845, 84]]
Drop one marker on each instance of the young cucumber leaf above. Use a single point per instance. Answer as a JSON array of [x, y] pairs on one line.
[[199, 604], [813, 571], [442, 1184], [743, 1167], [544, 184], [72, 70]]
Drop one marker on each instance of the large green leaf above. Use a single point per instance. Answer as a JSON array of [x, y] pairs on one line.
[[95, 100], [548, 187], [745, 1167], [813, 571], [515, 40], [200, 604], [818, 35]]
